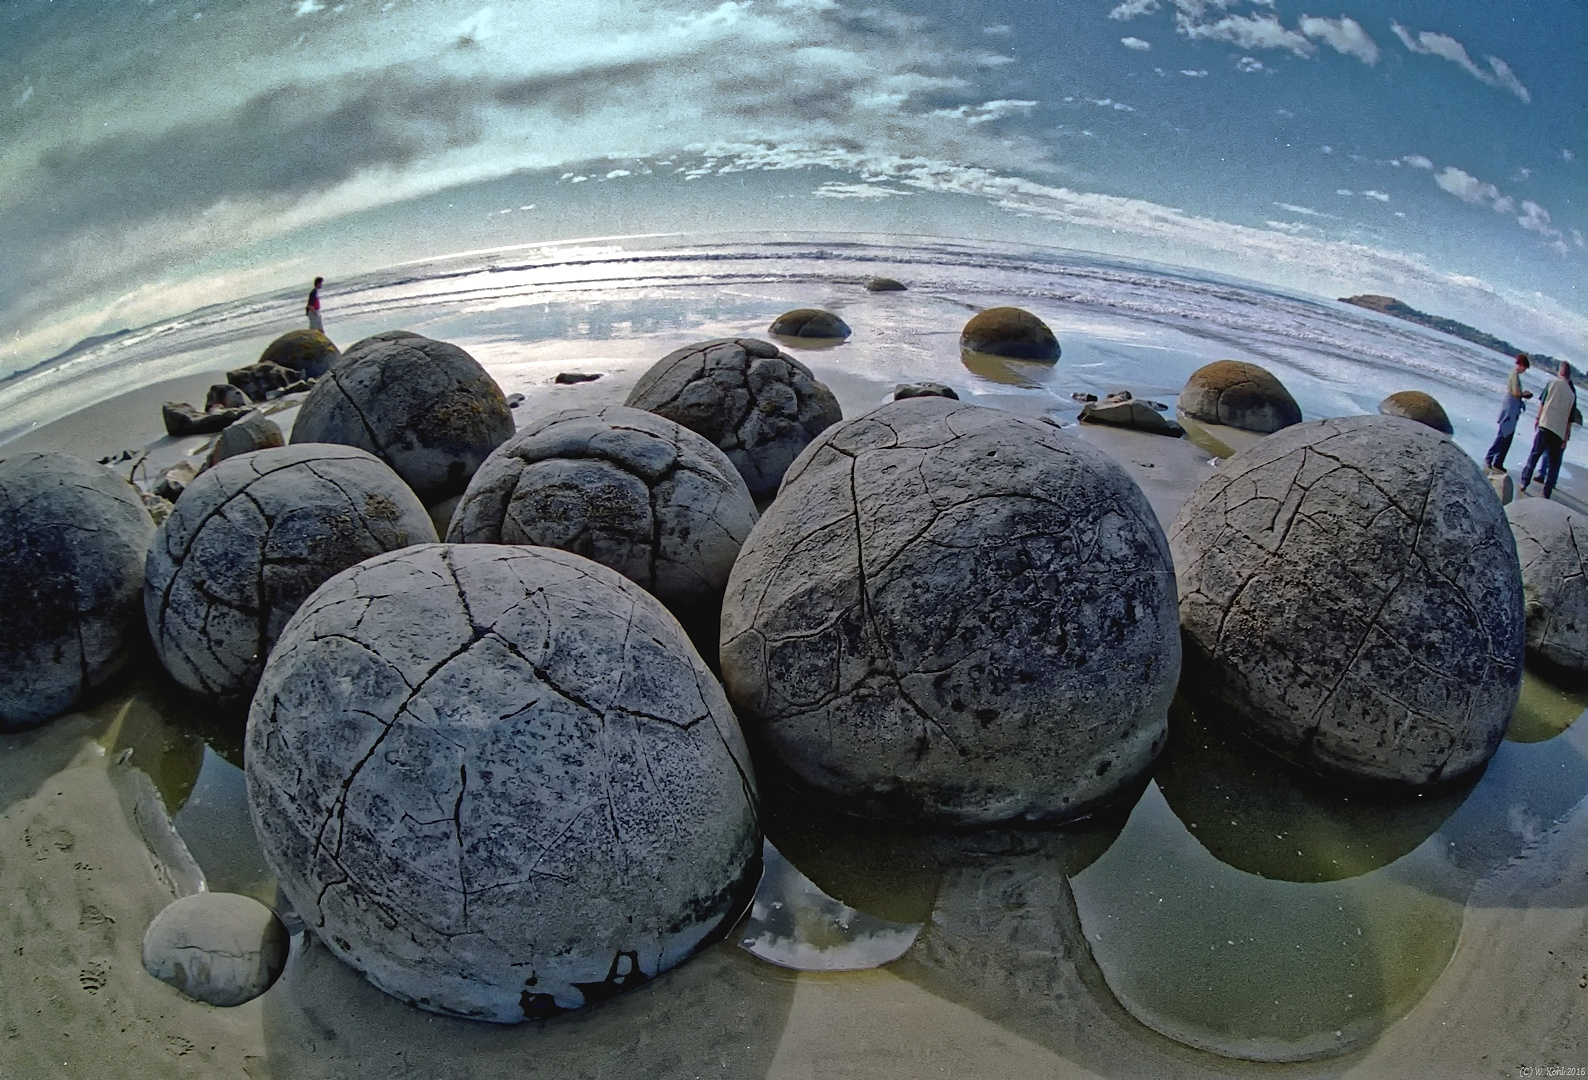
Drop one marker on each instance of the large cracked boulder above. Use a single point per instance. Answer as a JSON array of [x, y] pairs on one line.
[[757, 404], [1350, 595], [628, 488], [307, 351], [1552, 544], [1418, 406], [498, 781], [1240, 395], [1011, 332], [957, 615], [424, 407], [250, 539], [72, 541]]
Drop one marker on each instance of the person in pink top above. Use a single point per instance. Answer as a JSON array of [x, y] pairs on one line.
[[312, 307], [1553, 427]]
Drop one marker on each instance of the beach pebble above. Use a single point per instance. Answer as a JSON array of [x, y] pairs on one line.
[[628, 488], [757, 404], [571, 378], [957, 615], [1010, 332], [72, 541], [1552, 543], [224, 396], [1131, 413], [1504, 487], [498, 781], [1239, 395], [1418, 406], [218, 948], [809, 323], [884, 284], [182, 420], [171, 481], [307, 351], [425, 407], [258, 380], [250, 539], [255, 432], [1351, 598], [923, 389]]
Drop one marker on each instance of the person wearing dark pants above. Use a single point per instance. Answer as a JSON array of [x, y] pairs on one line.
[[1510, 413], [1553, 426]]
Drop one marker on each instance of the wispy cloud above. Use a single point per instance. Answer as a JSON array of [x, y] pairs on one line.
[[1343, 35], [1246, 31], [1533, 217], [987, 111], [1249, 64], [1417, 161], [1132, 8], [1432, 43], [1135, 43], [1304, 210], [1377, 196]]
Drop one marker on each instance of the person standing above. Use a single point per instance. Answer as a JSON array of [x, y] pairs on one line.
[[1553, 425], [1510, 413], [312, 307]]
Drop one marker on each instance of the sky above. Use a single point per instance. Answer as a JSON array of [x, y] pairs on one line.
[[160, 155]]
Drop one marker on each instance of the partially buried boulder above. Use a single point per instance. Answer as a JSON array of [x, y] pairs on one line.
[[1011, 332], [255, 432], [1239, 395], [1552, 543], [258, 380], [957, 615], [923, 389], [1351, 598], [757, 404], [1131, 413], [182, 420], [72, 542], [1418, 406], [218, 948], [307, 351], [224, 396], [809, 323], [630, 489], [884, 284], [425, 407], [250, 539], [498, 781]]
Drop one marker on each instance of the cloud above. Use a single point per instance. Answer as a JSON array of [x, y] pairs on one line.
[[998, 30], [1567, 155], [1466, 187], [1202, 74], [1135, 43], [1343, 35], [1305, 210], [1378, 196], [307, 7], [1132, 8], [1249, 64], [1246, 31], [1344, 191], [1292, 227], [1431, 43], [987, 110], [1417, 161], [1534, 218]]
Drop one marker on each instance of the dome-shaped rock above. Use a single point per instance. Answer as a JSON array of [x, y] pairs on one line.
[[255, 431], [1350, 594], [1010, 332], [385, 337], [955, 614], [306, 351], [924, 389], [1552, 544], [758, 405], [72, 542], [1239, 395], [250, 539], [218, 948], [628, 488], [498, 781], [884, 284], [809, 323], [424, 407], [1418, 406]]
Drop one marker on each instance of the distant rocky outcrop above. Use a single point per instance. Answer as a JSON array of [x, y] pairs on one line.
[[1388, 305]]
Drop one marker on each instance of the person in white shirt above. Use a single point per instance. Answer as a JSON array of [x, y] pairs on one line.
[[1553, 426]]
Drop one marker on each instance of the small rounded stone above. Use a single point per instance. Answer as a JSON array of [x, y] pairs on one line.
[[1350, 595], [1239, 395], [256, 431], [924, 389], [1011, 332], [218, 948], [307, 351], [809, 323], [884, 284], [1552, 544], [1418, 406]]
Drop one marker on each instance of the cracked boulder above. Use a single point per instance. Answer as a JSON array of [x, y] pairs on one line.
[[757, 404], [1418, 406], [424, 407], [628, 488], [218, 948], [498, 781], [1350, 596], [1552, 544], [1240, 395], [72, 542], [250, 539], [957, 615]]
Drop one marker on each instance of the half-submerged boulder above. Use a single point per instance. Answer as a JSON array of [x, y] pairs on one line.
[[1011, 332], [1552, 544], [757, 404], [810, 323], [1418, 406], [498, 781], [924, 389], [1239, 395], [957, 615], [72, 542], [884, 284], [1351, 597], [1132, 413], [307, 351]]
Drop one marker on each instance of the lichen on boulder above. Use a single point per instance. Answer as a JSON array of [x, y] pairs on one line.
[[1418, 406], [1239, 395], [306, 351], [1010, 332]]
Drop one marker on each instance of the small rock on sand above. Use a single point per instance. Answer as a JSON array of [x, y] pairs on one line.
[[1011, 332], [218, 948]]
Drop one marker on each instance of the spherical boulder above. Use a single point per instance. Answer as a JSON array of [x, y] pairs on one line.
[[218, 948], [424, 407], [809, 323], [306, 351], [250, 539], [1011, 332], [255, 431], [1239, 395], [1418, 406], [957, 615], [498, 781], [1552, 544], [628, 488], [757, 404], [72, 542], [363, 345], [1350, 597], [884, 284]]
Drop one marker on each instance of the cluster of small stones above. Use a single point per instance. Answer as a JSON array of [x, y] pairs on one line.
[[1552, 544]]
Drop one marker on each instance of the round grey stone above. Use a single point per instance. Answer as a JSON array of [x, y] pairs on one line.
[[218, 948], [1552, 544], [498, 781], [810, 323], [1239, 395], [250, 539], [1350, 594], [958, 615], [424, 407], [757, 404], [628, 488], [72, 541]]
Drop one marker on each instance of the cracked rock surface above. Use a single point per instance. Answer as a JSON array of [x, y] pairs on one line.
[[757, 404], [955, 614], [424, 407], [218, 948], [250, 539], [1551, 542], [1239, 395], [630, 489], [72, 541], [1350, 592], [498, 781]]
